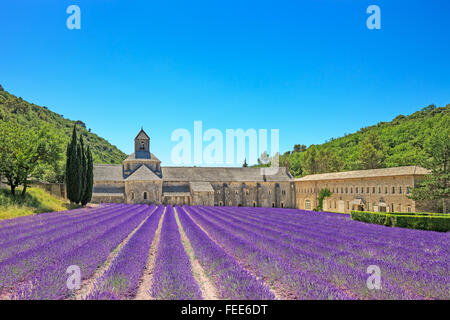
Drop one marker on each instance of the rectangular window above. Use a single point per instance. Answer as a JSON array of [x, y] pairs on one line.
[[400, 190], [356, 190], [393, 190], [385, 190]]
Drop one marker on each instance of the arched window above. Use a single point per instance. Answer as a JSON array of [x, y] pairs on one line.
[[254, 203], [282, 204], [308, 204], [273, 204], [132, 195], [145, 195], [142, 145]]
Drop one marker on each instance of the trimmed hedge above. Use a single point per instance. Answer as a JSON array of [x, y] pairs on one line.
[[431, 222]]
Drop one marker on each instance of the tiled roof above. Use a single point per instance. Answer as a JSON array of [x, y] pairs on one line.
[[218, 174], [373, 173], [201, 187], [142, 157], [143, 173], [142, 135], [108, 172]]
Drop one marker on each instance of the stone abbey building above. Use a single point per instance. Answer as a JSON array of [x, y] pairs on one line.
[[142, 179]]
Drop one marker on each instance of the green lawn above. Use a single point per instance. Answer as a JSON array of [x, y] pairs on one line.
[[36, 201]]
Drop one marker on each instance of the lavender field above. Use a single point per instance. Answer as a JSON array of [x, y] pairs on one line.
[[156, 252]]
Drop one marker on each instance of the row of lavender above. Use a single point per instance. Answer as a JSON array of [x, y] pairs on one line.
[[173, 279], [300, 254], [121, 279], [85, 238], [325, 256]]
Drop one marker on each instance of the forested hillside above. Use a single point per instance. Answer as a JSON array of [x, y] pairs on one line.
[[399, 142], [30, 115]]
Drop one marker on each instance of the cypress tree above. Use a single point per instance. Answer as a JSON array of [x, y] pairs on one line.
[[89, 178], [72, 168], [83, 169], [78, 174]]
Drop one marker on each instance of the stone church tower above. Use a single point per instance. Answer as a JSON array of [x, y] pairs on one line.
[[142, 145]]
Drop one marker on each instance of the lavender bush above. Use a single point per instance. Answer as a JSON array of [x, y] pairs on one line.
[[173, 279]]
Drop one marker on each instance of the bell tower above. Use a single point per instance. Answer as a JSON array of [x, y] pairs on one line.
[[142, 145]]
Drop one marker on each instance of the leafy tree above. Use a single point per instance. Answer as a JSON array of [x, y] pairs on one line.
[[322, 195], [328, 161], [22, 150], [371, 153], [310, 163], [299, 148], [435, 186]]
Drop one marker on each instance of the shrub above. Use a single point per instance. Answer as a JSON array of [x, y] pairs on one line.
[[422, 221]]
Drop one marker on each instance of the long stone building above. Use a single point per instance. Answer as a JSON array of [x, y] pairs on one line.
[[142, 179], [368, 190]]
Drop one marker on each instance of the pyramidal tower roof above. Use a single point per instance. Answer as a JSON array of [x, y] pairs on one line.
[[142, 135]]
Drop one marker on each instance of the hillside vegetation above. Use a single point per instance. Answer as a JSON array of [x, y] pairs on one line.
[[400, 142], [16, 109], [35, 201]]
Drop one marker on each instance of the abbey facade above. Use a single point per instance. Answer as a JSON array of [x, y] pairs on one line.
[[142, 179]]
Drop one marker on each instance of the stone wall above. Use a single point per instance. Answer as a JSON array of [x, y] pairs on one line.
[[254, 194], [431, 206], [143, 192], [107, 198], [55, 189], [203, 198]]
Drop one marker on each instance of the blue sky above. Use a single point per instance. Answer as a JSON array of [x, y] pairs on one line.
[[311, 69]]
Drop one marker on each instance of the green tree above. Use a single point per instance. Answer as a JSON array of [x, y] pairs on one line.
[[89, 178], [371, 153], [310, 164], [328, 161], [83, 167], [22, 150], [299, 148], [73, 179], [435, 186], [245, 165], [322, 195]]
